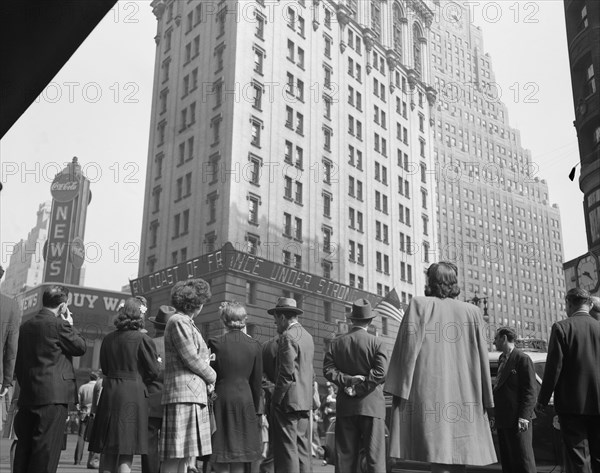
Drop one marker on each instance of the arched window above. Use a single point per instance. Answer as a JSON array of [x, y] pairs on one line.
[[376, 17], [417, 53], [397, 31]]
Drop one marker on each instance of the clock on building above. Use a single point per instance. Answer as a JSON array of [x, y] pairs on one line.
[[587, 273]]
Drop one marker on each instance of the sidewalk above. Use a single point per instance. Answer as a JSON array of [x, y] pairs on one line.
[[66, 459]]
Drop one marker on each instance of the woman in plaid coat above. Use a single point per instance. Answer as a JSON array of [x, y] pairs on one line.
[[186, 421]]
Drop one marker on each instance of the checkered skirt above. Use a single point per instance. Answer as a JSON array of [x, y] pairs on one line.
[[185, 431]]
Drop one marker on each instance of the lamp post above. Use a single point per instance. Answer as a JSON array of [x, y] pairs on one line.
[[476, 300]]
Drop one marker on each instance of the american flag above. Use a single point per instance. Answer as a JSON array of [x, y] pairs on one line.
[[391, 306]]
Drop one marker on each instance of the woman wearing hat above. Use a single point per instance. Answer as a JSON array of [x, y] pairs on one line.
[[185, 432], [128, 359], [238, 363]]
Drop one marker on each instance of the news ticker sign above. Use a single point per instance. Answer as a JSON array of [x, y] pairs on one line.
[[252, 266], [86, 304]]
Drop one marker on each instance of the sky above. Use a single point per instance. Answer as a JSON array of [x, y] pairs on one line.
[[98, 109]]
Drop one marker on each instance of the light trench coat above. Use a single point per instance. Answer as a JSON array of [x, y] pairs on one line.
[[439, 376]]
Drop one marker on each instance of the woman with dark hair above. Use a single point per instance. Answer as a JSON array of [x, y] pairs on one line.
[[185, 432], [238, 364], [128, 360], [439, 376]]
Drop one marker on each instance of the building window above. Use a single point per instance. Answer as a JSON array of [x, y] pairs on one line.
[[327, 312], [211, 200], [384, 325], [327, 132], [287, 189], [590, 84], [328, 73], [327, 268], [287, 225], [185, 220], [298, 197], [256, 126], [327, 171], [254, 163], [257, 99], [417, 53], [252, 243], [153, 233], [259, 58], [327, 232], [176, 225], [288, 149], [298, 229], [260, 25], [250, 292], [327, 50], [156, 199], [210, 240], [376, 18], [299, 123], [253, 203], [327, 103], [215, 124], [158, 160], [327, 199]]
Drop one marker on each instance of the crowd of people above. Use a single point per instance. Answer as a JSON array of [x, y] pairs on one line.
[[229, 404]]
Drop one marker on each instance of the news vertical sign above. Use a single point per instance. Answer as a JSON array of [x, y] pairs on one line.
[[64, 250]]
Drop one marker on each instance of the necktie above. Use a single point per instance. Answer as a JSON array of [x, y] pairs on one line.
[[502, 361]]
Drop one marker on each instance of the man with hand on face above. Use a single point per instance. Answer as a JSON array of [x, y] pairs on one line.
[[44, 369], [293, 394], [514, 400]]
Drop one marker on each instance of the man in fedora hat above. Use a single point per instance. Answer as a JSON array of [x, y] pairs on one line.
[[356, 363], [293, 394], [151, 461]]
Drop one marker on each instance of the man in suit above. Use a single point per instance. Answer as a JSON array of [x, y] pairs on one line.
[[9, 338], [151, 461], [44, 369], [357, 364], [572, 374], [293, 393], [514, 397], [84, 406]]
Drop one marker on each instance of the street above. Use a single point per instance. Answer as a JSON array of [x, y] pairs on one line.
[[66, 459]]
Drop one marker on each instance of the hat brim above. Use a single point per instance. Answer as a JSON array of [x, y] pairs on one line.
[[362, 317], [153, 320], [276, 310]]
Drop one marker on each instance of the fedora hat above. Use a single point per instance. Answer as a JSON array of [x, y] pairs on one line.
[[361, 310], [285, 304], [164, 313]]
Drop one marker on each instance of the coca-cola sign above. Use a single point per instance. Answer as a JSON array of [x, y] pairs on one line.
[[64, 188]]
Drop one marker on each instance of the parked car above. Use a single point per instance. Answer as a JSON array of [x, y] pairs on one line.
[[547, 443]]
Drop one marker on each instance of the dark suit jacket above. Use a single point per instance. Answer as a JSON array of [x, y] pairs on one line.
[[269, 356], [9, 337], [357, 353], [294, 373], [572, 366], [155, 388], [515, 392], [44, 366]]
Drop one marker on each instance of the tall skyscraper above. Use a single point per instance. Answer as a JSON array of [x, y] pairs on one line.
[[26, 266], [583, 35], [299, 132], [495, 216]]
